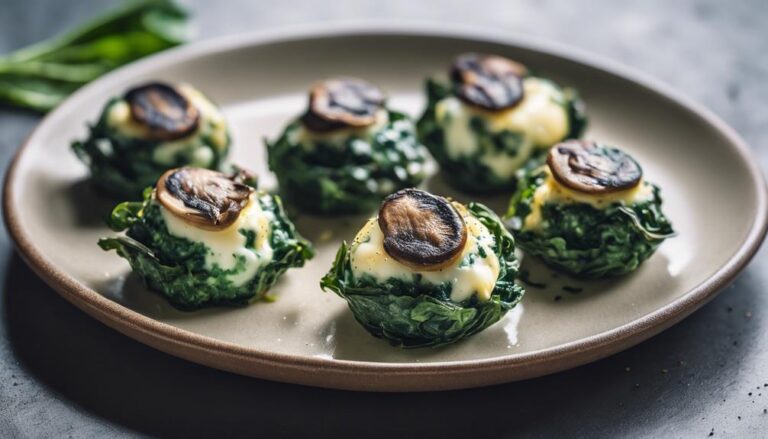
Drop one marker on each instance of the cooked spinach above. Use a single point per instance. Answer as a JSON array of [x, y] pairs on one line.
[[42, 75], [176, 267], [583, 240], [468, 172], [413, 314], [122, 166], [353, 177]]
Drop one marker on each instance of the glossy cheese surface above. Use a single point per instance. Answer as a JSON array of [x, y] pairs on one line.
[[226, 246], [541, 117], [368, 257]]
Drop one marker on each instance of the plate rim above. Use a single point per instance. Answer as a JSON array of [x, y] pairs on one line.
[[379, 376]]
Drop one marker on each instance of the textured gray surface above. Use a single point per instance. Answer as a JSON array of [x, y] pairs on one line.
[[64, 374]]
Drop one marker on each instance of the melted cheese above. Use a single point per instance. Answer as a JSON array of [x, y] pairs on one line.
[[368, 256], [308, 139], [226, 246], [212, 125], [540, 117], [551, 191]]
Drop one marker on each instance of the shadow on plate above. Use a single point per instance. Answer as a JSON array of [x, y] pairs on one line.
[[91, 207], [117, 379]]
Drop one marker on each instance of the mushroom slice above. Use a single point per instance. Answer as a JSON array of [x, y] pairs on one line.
[[421, 230], [593, 169], [342, 103], [490, 82], [206, 199], [166, 113]]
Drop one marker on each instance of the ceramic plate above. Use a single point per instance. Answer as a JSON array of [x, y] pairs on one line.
[[713, 191]]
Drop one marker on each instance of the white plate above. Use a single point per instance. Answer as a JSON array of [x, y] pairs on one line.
[[713, 192]]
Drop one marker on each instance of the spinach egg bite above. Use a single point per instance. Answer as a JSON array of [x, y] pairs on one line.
[[201, 237], [427, 271], [493, 118], [150, 129], [588, 211], [347, 151]]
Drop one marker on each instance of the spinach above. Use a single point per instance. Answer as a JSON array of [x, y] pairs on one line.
[[583, 240], [40, 76], [352, 177], [176, 267], [414, 314], [468, 173], [122, 167]]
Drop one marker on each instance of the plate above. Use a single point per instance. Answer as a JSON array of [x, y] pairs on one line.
[[310, 337]]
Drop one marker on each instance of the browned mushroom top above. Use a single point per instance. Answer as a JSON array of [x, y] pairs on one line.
[[421, 230], [342, 103], [203, 198], [592, 168], [490, 82], [166, 113]]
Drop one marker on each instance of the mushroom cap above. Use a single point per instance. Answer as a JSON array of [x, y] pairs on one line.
[[421, 230], [489, 82], [163, 110], [203, 198], [588, 167], [342, 103]]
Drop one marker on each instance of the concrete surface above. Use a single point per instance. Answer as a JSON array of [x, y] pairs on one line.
[[63, 374]]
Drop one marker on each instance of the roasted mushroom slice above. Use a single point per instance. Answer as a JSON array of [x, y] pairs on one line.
[[490, 82], [206, 199], [421, 230], [166, 113], [342, 103], [589, 168]]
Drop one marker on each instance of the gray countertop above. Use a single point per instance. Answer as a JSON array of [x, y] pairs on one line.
[[64, 374]]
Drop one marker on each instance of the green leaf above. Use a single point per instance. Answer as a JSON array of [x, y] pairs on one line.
[[40, 76]]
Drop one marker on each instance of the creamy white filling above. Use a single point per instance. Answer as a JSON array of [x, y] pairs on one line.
[[212, 125], [226, 246], [553, 192], [367, 256], [540, 117]]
